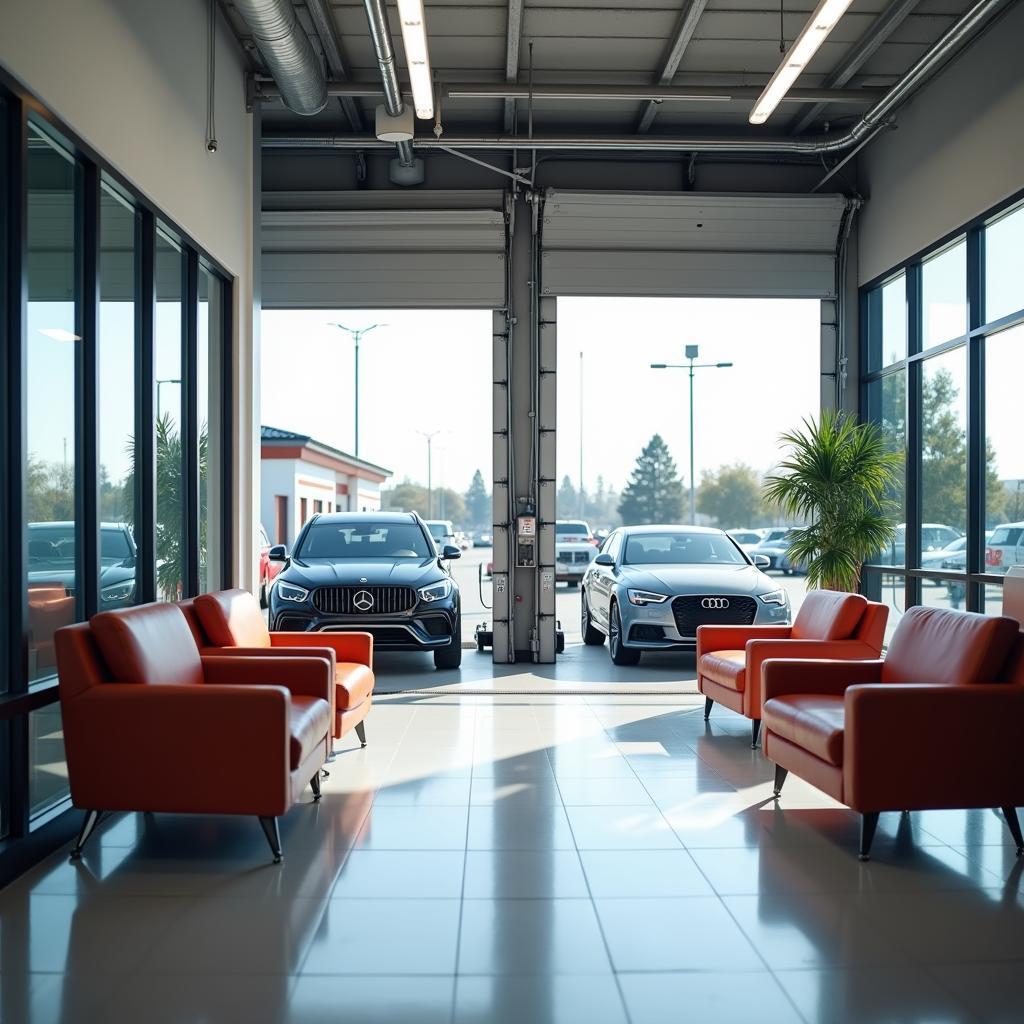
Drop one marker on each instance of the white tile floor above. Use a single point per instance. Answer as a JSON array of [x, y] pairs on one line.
[[527, 859]]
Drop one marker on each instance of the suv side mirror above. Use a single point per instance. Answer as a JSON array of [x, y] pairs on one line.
[[604, 559], [761, 561], [451, 551], [278, 553]]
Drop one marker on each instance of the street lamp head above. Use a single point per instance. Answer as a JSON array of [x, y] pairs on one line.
[[658, 366], [723, 364], [692, 351]]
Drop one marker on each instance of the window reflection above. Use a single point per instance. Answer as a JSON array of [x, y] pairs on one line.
[[170, 477], [52, 341], [1004, 283], [887, 324], [944, 296], [887, 407], [48, 773], [211, 313]]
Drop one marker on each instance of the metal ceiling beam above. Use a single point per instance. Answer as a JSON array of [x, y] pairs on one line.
[[857, 56], [680, 41], [327, 33], [514, 34]]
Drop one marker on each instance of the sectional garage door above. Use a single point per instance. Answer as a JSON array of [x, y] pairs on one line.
[[371, 258], [690, 244]]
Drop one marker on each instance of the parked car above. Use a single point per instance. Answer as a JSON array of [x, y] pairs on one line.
[[1005, 548], [953, 553], [463, 541], [375, 572], [484, 539], [746, 538], [650, 587], [51, 559], [268, 569], [774, 548], [934, 537], [572, 531], [571, 561], [443, 532]]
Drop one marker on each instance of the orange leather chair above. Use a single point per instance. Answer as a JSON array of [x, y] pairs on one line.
[[829, 625], [149, 725], [231, 623], [49, 608], [864, 732]]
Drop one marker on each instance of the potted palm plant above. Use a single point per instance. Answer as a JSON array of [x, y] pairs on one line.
[[837, 478]]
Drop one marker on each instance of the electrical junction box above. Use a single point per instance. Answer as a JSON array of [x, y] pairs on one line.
[[526, 542], [394, 129]]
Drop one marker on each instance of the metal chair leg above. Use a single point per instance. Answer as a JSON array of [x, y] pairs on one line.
[[1010, 814], [868, 824], [269, 825], [755, 728], [780, 778], [361, 732], [315, 784], [708, 705], [88, 824]]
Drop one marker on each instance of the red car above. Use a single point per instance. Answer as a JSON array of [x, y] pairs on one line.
[[268, 569]]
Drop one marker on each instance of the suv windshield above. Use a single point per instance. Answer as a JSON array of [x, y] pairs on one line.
[[681, 549], [572, 529], [365, 540]]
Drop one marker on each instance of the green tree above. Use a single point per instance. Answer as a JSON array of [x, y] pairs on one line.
[[567, 501], [50, 491], [654, 493], [732, 496], [478, 503], [412, 497]]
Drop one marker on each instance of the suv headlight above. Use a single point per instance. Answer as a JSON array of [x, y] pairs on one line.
[[118, 592], [290, 592], [774, 597], [645, 597], [435, 591]]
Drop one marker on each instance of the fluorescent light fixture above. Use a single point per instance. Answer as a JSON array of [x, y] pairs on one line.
[[59, 334], [414, 35], [814, 33]]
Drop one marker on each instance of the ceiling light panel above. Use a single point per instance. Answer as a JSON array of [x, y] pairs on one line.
[[417, 56]]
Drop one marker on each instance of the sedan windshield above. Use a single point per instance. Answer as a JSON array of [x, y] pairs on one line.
[[680, 549], [365, 540]]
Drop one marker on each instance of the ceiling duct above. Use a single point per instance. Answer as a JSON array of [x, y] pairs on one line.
[[288, 53]]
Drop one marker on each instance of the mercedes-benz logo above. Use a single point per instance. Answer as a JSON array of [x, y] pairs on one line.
[[363, 600], [715, 602]]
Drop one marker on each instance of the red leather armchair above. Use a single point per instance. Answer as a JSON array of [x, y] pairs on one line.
[[230, 623], [828, 625], [149, 725], [864, 732]]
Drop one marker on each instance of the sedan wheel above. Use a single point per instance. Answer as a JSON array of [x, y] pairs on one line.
[[591, 637], [620, 655]]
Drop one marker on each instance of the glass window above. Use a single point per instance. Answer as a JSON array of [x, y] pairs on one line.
[[52, 350], [116, 407], [943, 449], [170, 476], [48, 773], [210, 349], [887, 324], [887, 407], [1004, 277], [944, 296]]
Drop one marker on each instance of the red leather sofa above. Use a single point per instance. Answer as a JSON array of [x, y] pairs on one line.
[[829, 625], [230, 623], [149, 725], [935, 725]]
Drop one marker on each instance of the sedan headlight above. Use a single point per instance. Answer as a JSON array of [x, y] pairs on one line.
[[774, 597], [290, 592], [118, 592], [645, 597], [435, 592]]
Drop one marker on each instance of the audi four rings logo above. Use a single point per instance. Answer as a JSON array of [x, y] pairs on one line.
[[363, 600], [715, 602]]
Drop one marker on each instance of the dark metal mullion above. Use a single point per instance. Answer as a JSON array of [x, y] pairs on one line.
[[912, 489], [190, 420], [145, 408], [226, 440], [87, 493], [976, 444]]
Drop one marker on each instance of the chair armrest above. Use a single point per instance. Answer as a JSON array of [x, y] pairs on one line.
[[760, 651], [302, 676], [734, 638], [933, 745], [323, 651], [780, 676], [352, 647]]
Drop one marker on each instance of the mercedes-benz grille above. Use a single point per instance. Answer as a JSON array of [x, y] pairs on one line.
[[712, 610], [364, 600]]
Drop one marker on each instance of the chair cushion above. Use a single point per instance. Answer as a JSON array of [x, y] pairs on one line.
[[939, 645], [232, 618], [828, 615], [309, 724], [353, 684], [727, 668], [812, 721], [148, 644]]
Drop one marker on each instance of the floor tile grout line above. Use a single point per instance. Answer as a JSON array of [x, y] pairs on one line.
[[465, 865]]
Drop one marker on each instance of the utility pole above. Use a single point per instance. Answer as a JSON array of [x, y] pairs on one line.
[[357, 336], [581, 436], [430, 469]]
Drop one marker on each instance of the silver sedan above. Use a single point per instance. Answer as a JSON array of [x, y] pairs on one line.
[[650, 587]]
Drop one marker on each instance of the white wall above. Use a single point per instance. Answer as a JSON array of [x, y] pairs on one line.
[[958, 150], [129, 77]]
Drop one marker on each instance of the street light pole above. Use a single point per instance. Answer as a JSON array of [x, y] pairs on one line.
[[430, 470], [159, 384], [357, 336], [581, 436], [691, 354]]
